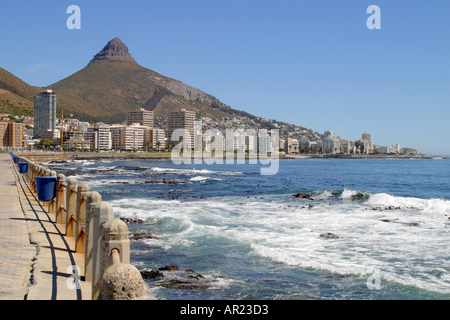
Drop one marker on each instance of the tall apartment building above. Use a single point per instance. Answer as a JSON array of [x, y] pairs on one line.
[[127, 138], [141, 116], [330, 144], [10, 134], [100, 137], [182, 119], [44, 112], [367, 141]]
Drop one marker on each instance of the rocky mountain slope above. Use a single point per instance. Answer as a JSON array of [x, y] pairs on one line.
[[114, 83]]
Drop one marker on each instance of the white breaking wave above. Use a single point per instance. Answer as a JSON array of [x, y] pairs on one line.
[[200, 178], [426, 205]]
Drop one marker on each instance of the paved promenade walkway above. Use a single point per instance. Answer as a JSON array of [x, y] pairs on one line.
[[36, 259]]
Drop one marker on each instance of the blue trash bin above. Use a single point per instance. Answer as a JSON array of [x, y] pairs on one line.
[[46, 188], [23, 167], [16, 159]]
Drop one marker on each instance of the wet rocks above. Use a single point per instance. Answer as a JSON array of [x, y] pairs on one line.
[[132, 221], [169, 268], [192, 274], [328, 236], [411, 224], [183, 280], [151, 274], [302, 195], [185, 284], [71, 173]]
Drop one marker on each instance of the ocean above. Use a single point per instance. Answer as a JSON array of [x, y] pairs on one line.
[[370, 229]]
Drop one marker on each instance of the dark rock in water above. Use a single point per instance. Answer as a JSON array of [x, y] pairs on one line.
[[151, 274], [132, 221], [141, 236], [195, 280], [358, 196], [71, 173], [411, 224], [169, 268], [303, 195], [185, 284], [192, 274], [329, 236]]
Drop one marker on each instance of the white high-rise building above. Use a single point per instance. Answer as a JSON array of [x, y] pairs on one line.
[[100, 137], [330, 145]]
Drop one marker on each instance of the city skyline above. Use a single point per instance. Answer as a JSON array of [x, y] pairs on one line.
[[311, 64]]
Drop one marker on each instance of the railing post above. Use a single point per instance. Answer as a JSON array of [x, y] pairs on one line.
[[33, 174], [92, 199], [51, 203], [114, 237], [103, 213], [123, 282], [60, 199], [71, 206], [82, 192]]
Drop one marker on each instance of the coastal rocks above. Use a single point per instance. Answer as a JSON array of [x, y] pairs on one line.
[[132, 221], [192, 274], [411, 224], [185, 284], [151, 274], [302, 195], [169, 268], [182, 280], [71, 173], [328, 236]]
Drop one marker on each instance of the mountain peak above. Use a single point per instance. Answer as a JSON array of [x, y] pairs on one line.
[[114, 51]]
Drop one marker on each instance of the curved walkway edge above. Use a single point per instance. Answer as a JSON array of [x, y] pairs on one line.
[[36, 259]]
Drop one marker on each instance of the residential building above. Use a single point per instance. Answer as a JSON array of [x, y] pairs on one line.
[[10, 134], [304, 144], [77, 144], [368, 144], [346, 146], [182, 119], [83, 126], [154, 138], [128, 138], [44, 112], [330, 145], [74, 135], [406, 150], [100, 137], [291, 145], [141, 116]]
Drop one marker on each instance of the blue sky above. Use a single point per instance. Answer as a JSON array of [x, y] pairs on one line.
[[312, 63]]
